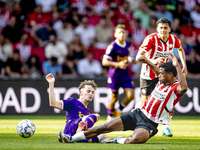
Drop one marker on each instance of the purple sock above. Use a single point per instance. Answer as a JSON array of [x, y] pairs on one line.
[[110, 112], [93, 140], [91, 119]]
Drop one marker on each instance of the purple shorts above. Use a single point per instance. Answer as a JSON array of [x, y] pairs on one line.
[[71, 126], [115, 85]]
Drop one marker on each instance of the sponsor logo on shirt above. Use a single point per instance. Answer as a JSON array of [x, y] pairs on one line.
[[159, 94], [159, 54]]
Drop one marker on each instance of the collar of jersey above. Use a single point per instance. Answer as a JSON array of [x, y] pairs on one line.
[[162, 40], [124, 45]]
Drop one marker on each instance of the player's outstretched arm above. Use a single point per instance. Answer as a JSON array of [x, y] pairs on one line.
[[182, 88], [157, 61], [183, 61], [52, 99], [143, 59]]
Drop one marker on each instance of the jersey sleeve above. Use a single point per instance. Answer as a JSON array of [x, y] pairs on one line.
[[147, 44], [68, 105], [177, 42], [109, 52]]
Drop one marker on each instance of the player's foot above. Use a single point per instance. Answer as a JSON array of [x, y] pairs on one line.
[[118, 112], [60, 139], [109, 118], [109, 140], [81, 126], [65, 137], [167, 132]]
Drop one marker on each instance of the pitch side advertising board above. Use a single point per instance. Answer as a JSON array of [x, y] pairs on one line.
[[19, 97]]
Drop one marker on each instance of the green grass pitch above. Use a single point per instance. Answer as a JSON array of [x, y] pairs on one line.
[[186, 132]]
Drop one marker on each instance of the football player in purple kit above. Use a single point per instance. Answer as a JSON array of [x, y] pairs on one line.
[[79, 117], [117, 58]]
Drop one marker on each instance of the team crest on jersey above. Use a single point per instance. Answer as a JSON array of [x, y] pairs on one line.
[[109, 48]]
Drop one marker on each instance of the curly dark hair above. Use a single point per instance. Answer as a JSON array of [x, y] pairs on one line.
[[168, 67]]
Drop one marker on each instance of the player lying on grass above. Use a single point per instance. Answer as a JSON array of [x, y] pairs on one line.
[[157, 109], [79, 117]]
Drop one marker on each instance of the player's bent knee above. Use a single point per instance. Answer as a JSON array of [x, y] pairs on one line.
[[131, 97]]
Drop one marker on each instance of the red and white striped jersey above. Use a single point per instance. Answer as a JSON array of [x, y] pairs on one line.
[[159, 106], [156, 48]]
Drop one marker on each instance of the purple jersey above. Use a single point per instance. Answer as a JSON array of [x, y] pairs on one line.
[[116, 76], [74, 111]]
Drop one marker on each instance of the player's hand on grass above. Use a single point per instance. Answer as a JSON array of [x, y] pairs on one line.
[[123, 64], [50, 78]]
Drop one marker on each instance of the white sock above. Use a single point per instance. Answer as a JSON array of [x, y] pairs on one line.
[[121, 140], [165, 126], [78, 136]]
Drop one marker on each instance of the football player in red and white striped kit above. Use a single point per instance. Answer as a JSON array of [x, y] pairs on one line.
[[156, 47], [157, 109]]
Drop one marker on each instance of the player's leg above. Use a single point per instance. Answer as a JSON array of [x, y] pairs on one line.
[[70, 128], [114, 125], [129, 96], [127, 99], [114, 86], [140, 135], [129, 90], [146, 87], [111, 105], [166, 131], [142, 126], [87, 122], [95, 139]]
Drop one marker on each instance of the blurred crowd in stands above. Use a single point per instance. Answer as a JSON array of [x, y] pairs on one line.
[[69, 37]]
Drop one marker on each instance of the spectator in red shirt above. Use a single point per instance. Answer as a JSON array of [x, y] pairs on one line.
[[38, 18], [23, 47], [138, 32], [191, 33]]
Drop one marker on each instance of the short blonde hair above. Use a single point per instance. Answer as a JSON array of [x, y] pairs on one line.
[[87, 82], [120, 26]]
